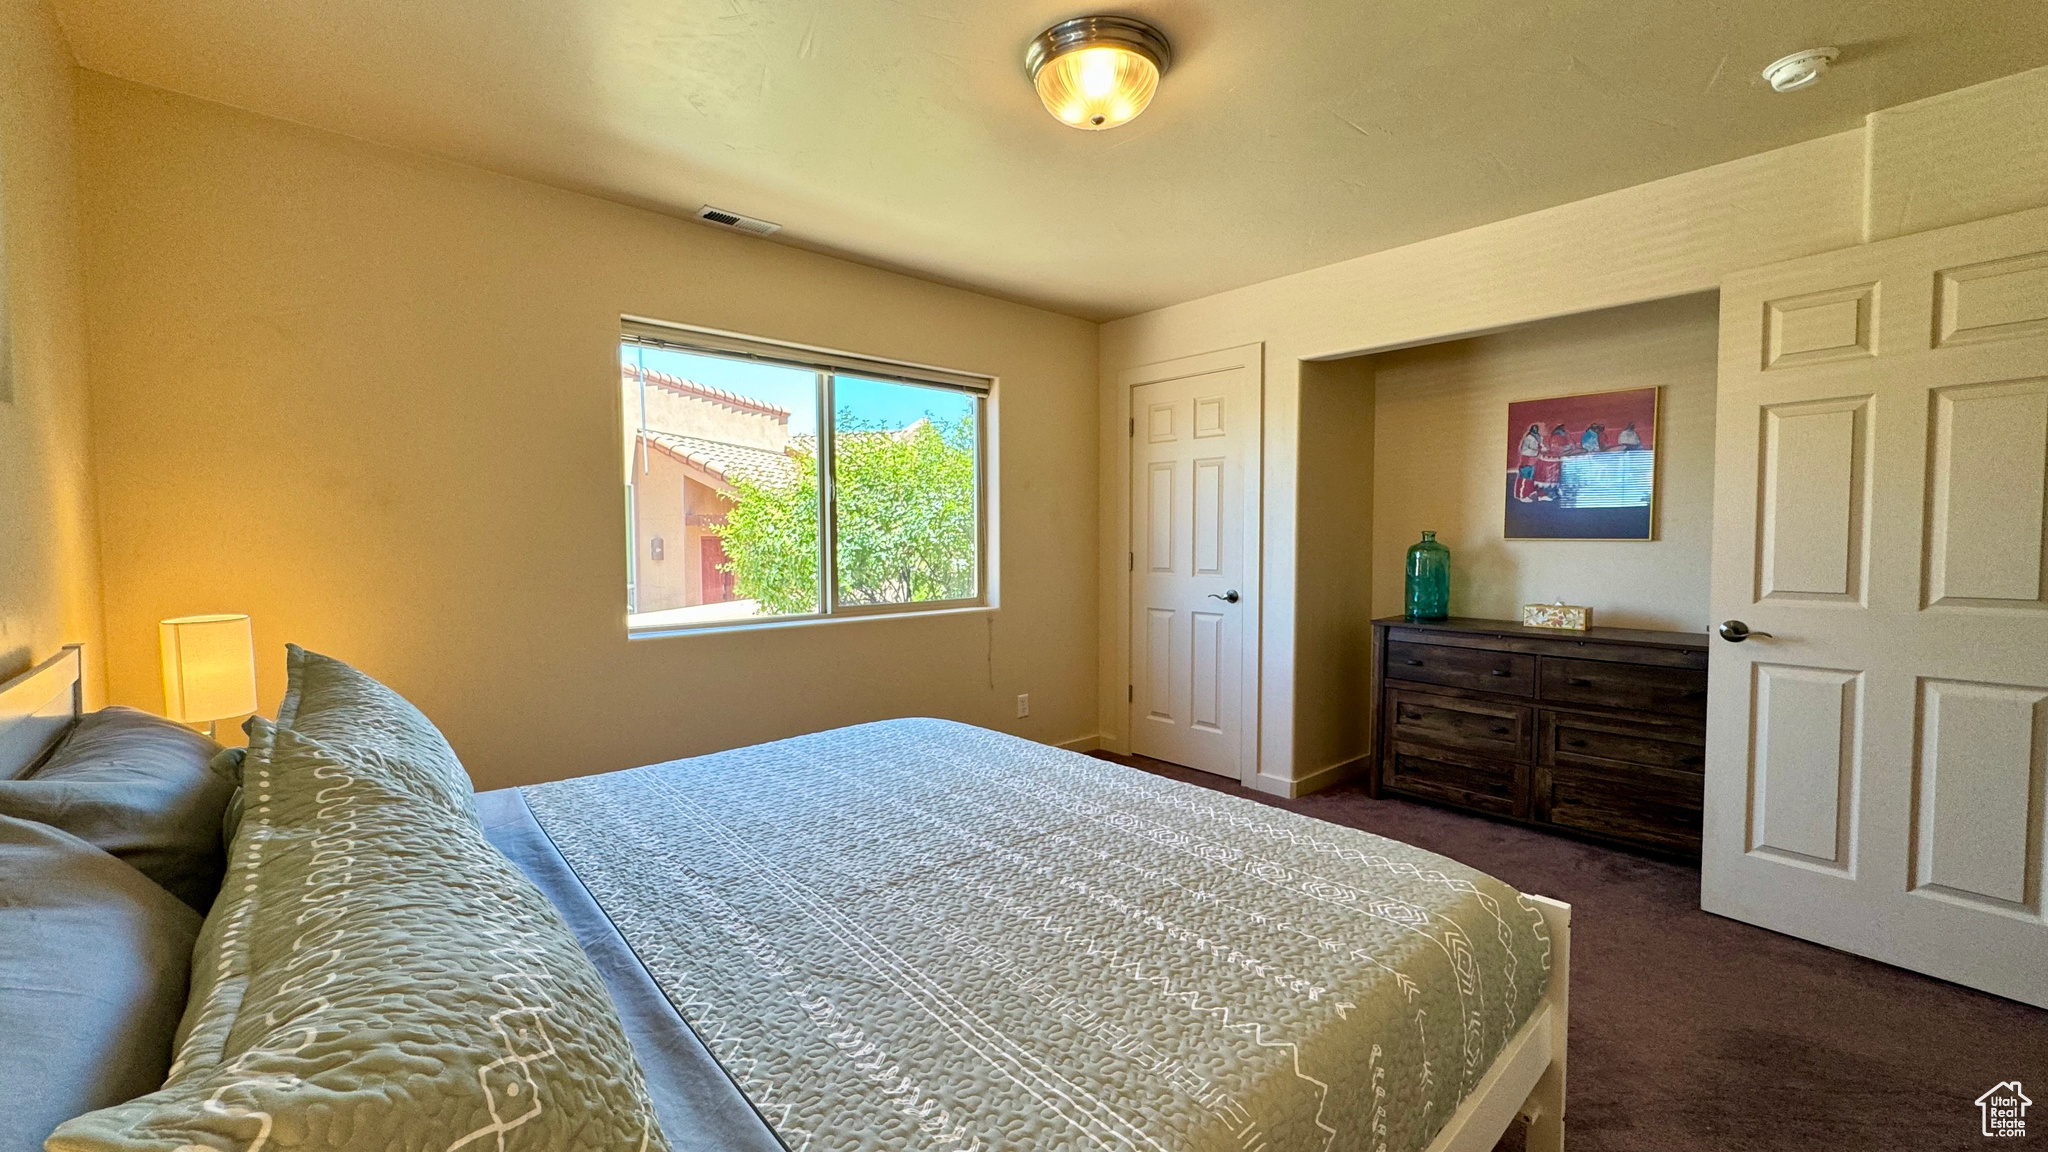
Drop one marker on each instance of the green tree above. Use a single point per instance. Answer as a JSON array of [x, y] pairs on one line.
[[771, 540], [906, 520]]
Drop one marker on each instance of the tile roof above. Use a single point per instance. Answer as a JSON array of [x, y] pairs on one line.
[[677, 384], [728, 462]]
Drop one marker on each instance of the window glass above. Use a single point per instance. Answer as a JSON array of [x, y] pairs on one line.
[[906, 464], [753, 470], [722, 488]]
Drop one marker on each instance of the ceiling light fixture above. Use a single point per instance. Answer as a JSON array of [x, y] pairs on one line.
[[1800, 69], [1097, 72]]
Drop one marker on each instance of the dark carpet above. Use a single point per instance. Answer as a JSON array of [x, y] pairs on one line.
[[1692, 1033]]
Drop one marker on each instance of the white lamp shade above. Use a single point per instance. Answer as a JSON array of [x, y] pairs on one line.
[[209, 667]]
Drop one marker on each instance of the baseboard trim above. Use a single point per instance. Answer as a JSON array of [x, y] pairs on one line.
[[1272, 785], [1329, 777]]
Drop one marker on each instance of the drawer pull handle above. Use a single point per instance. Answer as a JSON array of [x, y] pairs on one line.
[[1499, 731], [1575, 743], [1695, 694], [1578, 681], [1412, 663], [1502, 672], [1411, 715]]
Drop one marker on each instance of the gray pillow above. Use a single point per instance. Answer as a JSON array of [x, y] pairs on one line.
[[94, 962], [231, 820], [376, 976], [328, 701], [140, 787]]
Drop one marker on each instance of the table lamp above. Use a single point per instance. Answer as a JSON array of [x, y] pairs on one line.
[[209, 668]]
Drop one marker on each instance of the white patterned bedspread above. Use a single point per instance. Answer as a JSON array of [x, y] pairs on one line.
[[920, 934]]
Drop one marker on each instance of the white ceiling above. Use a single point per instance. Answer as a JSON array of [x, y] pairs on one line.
[[904, 133]]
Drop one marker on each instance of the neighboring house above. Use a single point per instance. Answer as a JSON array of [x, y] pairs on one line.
[[686, 446]]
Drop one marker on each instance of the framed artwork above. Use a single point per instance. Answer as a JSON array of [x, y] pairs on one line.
[[1583, 467]]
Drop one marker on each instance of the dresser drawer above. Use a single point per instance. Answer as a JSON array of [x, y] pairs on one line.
[[1457, 778], [1673, 691], [1648, 806], [1511, 673], [1499, 729], [1563, 736], [1599, 734]]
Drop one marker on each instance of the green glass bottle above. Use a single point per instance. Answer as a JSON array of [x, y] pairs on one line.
[[1429, 580]]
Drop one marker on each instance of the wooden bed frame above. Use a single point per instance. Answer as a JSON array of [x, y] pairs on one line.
[[37, 708], [1527, 1079]]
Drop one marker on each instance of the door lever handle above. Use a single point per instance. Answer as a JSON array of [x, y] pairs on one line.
[[1230, 597], [1735, 632]]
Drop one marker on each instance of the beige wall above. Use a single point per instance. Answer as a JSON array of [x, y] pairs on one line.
[[1967, 155], [1334, 574], [1440, 446], [1949, 158], [293, 332], [371, 399], [49, 563]]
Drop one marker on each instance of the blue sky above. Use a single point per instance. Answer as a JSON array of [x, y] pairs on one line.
[[894, 405]]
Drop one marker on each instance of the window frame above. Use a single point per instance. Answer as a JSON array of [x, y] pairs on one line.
[[828, 365]]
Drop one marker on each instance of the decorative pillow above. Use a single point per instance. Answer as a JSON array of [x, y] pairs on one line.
[[140, 787], [93, 967], [231, 820], [375, 975], [349, 712]]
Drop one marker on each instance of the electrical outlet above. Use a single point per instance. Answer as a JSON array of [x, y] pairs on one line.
[[1023, 705]]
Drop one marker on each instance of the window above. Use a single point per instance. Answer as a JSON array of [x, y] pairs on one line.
[[765, 482]]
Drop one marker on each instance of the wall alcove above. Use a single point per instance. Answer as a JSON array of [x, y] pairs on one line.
[[1398, 441]]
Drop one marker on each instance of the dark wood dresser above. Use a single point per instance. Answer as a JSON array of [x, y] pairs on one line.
[[1600, 733]]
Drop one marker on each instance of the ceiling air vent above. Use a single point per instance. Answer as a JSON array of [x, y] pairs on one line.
[[737, 222]]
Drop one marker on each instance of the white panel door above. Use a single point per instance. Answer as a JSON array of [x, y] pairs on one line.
[[1191, 441], [1877, 746]]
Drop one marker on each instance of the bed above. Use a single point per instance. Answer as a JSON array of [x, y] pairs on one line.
[[918, 933]]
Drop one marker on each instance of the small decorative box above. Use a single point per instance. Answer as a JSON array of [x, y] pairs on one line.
[[1572, 617]]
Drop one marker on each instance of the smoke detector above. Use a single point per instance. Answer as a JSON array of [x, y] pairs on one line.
[[737, 222], [1800, 69]]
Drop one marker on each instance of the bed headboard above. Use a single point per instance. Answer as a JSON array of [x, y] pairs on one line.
[[37, 708]]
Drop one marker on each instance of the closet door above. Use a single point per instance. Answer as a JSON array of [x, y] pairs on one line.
[[1878, 740], [1192, 439]]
